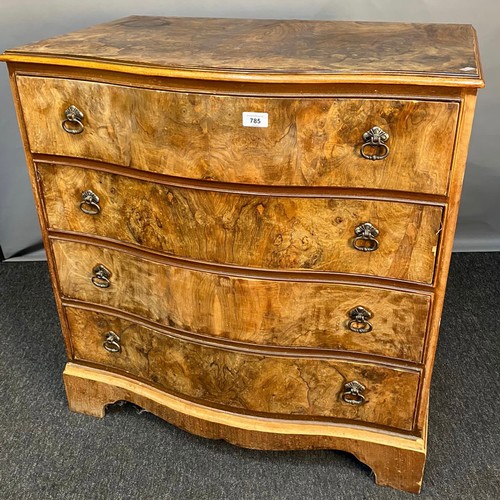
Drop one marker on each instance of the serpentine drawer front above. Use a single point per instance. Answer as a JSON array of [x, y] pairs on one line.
[[253, 244], [288, 233], [300, 387], [307, 141], [257, 311]]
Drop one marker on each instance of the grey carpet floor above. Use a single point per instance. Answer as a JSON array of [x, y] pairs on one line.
[[47, 452]]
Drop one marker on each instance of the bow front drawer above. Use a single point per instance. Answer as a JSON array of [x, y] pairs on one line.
[[368, 237], [303, 387], [357, 318], [394, 144]]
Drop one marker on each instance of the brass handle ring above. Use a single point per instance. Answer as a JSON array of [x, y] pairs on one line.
[[353, 393], [365, 244], [112, 342], [375, 138], [101, 276], [384, 154], [90, 203], [72, 124], [366, 326], [365, 240], [359, 320]]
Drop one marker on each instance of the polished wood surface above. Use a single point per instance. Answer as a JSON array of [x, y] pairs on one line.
[[300, 387], [256, 220], [279, 313], [266, 47], [247, 230], [309, 141], [395, 460]]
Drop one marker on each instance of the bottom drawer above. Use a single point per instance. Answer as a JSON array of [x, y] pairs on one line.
[[244, 381]]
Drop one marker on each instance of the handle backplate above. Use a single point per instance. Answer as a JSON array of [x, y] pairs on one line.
[[359, 320], [72, 124], [375, 140], [353, 393], [101, 276], [90, 203], [366, 237], [111, 342]]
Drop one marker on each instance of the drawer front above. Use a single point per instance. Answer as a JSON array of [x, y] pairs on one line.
[[308, 141], [271, 232], [280, 313], [302, 387]]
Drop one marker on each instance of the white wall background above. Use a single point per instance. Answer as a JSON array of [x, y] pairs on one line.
[[23, 21]]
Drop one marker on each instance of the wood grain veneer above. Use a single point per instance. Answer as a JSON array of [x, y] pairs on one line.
[[270, 50], [281, 313], [229, 247], [247, 230], [309, 142], [275, 385]]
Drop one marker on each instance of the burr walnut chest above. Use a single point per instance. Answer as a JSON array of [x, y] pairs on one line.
[[249, 223]]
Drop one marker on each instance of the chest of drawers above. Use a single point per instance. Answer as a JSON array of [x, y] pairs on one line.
[[249, 224]]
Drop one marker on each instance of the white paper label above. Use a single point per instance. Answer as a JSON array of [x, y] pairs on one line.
[[255, 119]]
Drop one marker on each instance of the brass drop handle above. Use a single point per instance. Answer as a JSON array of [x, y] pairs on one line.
[[101, 275], [353, 393], [112, 342], [375, 139], [359, 320], [72, 124], [90, 203], [366, 237]]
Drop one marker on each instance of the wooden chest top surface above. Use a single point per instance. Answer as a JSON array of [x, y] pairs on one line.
[[444, 53]]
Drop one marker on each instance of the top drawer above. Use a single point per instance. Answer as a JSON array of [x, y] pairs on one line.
[[307, 141]]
